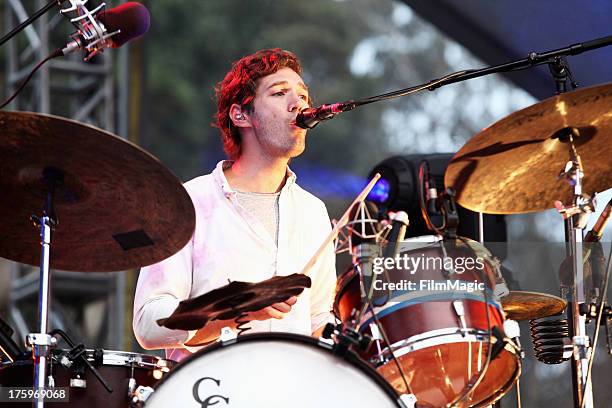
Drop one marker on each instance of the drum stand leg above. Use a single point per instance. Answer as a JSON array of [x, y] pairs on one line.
[[576, 218], [41, 342]]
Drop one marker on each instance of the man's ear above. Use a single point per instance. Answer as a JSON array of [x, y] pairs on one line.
[[238, 116]]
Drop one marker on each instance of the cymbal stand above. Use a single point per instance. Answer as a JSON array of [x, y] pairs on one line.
[[42, 342], [576, 217]]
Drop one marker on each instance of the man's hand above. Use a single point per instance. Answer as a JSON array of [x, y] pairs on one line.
[[275, 311], [212, 330]]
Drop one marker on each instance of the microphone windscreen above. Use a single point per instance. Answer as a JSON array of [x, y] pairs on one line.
[[133, 19]]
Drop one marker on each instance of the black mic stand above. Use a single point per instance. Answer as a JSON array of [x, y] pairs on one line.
[[30, 20], [533, 59], [576, 217]]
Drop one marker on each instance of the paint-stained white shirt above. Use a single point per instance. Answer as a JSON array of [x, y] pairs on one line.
[[230, 243]]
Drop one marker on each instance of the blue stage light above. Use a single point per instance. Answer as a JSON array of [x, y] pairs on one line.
[[380, 192]]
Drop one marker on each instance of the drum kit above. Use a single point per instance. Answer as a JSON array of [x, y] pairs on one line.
[[109, 205]]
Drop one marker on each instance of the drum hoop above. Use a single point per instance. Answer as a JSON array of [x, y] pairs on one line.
[[116, 358], [498, 394], [435, 337], [130, 359], [442, 297], [351, 358], [429, 339]]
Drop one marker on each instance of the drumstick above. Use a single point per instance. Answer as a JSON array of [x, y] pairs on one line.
[[340, 224]]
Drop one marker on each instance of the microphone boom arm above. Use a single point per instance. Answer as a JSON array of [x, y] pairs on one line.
[[310, 117]]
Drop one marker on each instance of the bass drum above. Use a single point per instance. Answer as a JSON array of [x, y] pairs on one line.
[[272, 370]]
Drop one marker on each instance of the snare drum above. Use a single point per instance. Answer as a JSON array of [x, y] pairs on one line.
[[436, 326], [272, 370], [116, 367]]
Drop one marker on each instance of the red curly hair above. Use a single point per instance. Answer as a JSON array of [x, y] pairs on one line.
[[239, 86]]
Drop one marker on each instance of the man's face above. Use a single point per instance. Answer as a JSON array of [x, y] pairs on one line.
[[278, 99]]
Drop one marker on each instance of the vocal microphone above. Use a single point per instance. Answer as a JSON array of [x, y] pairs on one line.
[[108, 28], [595, 234], [310, 117]]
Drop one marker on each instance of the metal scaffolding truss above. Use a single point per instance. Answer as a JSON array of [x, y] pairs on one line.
[[85, 92]]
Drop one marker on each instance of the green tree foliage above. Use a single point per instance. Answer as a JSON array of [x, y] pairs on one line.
[[192, 44]]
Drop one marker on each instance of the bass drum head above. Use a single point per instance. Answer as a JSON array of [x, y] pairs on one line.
[[272, 370]]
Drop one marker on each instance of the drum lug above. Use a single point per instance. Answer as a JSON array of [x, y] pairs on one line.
[[140, 396], [407, 400], [78, 383], [131, 387], [228, 336], [513, 331], [375, 332], [460, 311]]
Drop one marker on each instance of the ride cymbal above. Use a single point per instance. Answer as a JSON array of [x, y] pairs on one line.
[[513, 165], [117, 206]]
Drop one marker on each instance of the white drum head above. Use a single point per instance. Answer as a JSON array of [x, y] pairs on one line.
[[271, 370]]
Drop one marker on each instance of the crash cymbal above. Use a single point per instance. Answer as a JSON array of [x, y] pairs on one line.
[[520, 305], [512, 166], [230, 301], [117, 208]]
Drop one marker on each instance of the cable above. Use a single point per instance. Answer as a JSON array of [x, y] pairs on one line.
[[431, 85], [422, 176], [388, 343], [598, 325], [386, 340], [54, 54], [82, 355], [471, 386]]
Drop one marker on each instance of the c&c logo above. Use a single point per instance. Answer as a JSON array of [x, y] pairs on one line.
[[211, 400]]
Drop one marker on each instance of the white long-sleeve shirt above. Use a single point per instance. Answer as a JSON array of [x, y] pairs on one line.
[[230, 243]]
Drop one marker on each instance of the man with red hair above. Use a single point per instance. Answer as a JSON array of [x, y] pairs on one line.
[[253, 221]]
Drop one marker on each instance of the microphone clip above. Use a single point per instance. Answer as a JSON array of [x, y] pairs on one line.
[[91, 34]]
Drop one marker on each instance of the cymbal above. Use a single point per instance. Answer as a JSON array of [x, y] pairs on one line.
[[512, 166], [230, 301], [117, 208], [520, 305]]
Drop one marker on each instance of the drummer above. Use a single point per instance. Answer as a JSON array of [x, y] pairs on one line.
[[252, 220]]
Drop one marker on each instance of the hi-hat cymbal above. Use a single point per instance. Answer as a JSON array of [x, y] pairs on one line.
[[520, 305], [513, 165], [117, 208], [230, 301]]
